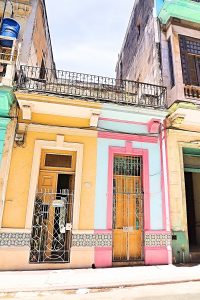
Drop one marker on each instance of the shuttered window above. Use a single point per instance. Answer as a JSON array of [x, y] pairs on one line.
[[190, 59]]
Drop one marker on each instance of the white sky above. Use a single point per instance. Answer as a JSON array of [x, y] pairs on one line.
[[87, 34]]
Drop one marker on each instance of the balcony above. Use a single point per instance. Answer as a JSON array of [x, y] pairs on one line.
[[90, 87], [192, 92]]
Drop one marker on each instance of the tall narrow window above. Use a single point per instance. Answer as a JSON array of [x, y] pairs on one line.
[[171, 66], [42, 70], [190, 59]]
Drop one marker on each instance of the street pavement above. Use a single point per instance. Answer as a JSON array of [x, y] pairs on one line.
[[178, 291], [142, 282]]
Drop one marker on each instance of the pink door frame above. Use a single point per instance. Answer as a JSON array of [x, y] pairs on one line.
[[128, 150]]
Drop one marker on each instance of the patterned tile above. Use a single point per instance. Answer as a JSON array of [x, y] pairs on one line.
[[156, 240], [78, 240], [15, 239], [92, 240], [83, 240]]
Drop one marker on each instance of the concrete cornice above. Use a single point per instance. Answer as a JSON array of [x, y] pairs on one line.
[[57, 100], [60, 130]]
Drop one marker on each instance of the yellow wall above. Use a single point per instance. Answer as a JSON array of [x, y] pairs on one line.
[[54, 120], [19, 180], [176, 140]]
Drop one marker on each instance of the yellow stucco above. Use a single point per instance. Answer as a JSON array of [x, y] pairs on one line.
[[19, 180], [80, 257], [15, 209], [176, 141], [54, 120]]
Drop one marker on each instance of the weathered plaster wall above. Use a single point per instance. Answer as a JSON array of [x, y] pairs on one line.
[[176, 141], [140, 54], [41, 43]]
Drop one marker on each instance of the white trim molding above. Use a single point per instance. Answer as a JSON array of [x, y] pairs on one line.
[[59, 130], [53, 145]]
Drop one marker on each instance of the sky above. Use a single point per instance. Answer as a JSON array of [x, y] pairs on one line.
[[87, 35]]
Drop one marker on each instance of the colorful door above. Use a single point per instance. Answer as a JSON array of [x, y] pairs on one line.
[[127, 208], [52, 218]]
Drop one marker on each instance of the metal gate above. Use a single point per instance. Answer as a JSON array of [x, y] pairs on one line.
[[127, 208], [51, 229]]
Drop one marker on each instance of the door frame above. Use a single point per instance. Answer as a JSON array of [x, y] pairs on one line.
[[128, 150], [55, 145]]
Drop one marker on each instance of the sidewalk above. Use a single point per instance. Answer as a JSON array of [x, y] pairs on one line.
[[98, 278]]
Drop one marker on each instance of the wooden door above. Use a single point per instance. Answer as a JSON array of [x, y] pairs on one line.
[[47, 188], [127, 216]]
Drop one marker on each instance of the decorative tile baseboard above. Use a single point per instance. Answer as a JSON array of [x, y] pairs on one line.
[[92, 240], [17, 239], [14, 239], [78, 240], [158, 239]]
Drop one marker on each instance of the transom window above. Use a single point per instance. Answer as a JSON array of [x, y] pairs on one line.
[[59, 160]]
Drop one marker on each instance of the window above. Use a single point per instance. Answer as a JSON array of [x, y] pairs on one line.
[[171, 67], [190, 59], [138, 30], [59, 161], [42, 70], [64, 161]]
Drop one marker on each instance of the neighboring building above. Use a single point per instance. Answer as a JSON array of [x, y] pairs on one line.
[[31, 47], [162, 46], [89, 174]]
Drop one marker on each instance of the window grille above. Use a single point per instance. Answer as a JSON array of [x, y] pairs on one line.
[[190, 59]]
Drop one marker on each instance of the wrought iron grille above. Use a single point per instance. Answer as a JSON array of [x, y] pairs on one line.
[[127, 209], [51, 228], [91, 87]]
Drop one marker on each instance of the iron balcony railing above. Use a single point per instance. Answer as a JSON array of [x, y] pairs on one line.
[[91, 87]]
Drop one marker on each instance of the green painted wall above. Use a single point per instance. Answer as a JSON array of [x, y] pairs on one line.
[[182, 9], [6, 101], [180, 247]]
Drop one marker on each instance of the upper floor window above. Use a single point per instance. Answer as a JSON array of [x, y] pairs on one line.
[[42, 70], [171, 66], [190, 59]]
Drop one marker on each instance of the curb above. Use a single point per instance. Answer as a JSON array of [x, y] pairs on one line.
[[91, 287]]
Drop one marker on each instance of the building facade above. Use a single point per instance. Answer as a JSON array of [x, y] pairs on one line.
[[25, 49], [168, 45], [89, 170]]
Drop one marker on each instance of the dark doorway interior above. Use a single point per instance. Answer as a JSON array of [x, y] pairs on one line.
[[60, 216], [191, 220], [63, 182]]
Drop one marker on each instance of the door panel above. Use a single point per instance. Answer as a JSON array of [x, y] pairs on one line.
[[47, 186], [135, 240], [47, 182], [119, 244]]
